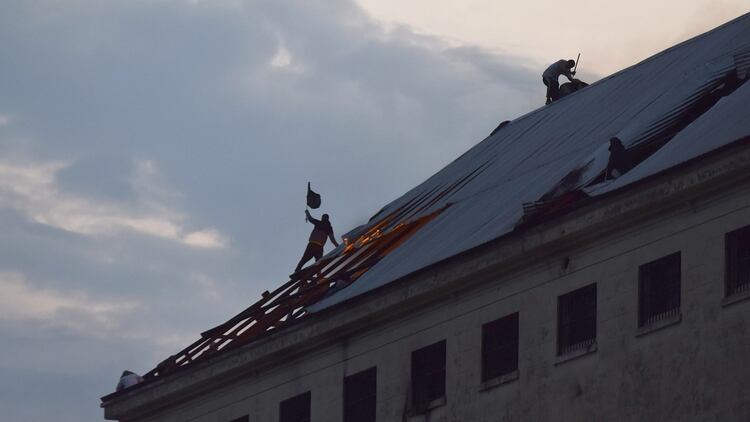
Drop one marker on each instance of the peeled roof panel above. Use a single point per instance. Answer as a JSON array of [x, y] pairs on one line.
[[725, 122], [531, 155]]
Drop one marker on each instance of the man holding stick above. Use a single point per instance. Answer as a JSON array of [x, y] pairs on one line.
[[553, 72]]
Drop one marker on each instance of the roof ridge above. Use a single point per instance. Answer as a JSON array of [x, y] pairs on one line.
[[643, 62]]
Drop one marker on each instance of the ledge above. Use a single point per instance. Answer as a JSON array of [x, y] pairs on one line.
[[576, 354], [658, 325], [497, 381], [735, 298], [432, 405]]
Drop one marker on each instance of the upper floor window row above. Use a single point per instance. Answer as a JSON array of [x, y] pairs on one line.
[[659, 298]]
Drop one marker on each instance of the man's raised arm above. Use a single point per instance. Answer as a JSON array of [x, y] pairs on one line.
[[310, 218]]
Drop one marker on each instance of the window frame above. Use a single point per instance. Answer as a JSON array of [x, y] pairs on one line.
[[435, 353], [654, 283], [285, 404], [566, 320], [361, 376], [495, 332], [733, 262]]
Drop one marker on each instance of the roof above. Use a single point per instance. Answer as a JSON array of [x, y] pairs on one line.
[[671, 108], [529, 158]]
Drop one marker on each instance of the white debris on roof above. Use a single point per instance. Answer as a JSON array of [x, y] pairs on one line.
[[530, 158]]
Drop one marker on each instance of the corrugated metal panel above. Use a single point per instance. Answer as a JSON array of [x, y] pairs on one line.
[[742, 63]]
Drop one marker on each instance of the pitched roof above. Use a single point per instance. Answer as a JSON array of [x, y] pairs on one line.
[[670, 108], [663, 108]]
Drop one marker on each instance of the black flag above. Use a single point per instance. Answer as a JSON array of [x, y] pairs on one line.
[[313, 199]]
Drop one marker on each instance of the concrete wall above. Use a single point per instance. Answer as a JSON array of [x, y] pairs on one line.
[[697, 369]]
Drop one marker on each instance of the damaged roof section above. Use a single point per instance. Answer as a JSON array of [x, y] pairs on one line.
[[696, 93], [671, 108], [727, 121], [656, 126]]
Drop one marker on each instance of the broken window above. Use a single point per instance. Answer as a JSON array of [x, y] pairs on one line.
[[737, 246], [427, 375], [360, 396], [576, 320], [500, 347], [659, 290], [295, 409]]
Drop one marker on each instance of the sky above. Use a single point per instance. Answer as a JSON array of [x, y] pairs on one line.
[[154, 155]]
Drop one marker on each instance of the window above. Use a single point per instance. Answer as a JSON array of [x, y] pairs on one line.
[[428, 375], [295, 409], [576, 320], [360, 396], [659, 290], [500, 347], [737, 261]]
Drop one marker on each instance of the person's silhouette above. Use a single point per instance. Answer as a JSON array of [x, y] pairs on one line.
[[318, 237]]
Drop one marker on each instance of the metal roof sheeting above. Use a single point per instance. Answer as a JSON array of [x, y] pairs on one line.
[[529, 157]]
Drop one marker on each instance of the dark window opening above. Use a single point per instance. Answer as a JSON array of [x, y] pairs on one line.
[[360, 397], [295, 409], [427, 375], [241, 419], [737, 246], [576, 320], [659, 289], [500, 347]]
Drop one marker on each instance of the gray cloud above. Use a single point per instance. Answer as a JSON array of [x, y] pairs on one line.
[[234, 106]]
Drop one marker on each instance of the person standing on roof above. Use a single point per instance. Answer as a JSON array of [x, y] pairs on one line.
[[318, 237], [549, 77]]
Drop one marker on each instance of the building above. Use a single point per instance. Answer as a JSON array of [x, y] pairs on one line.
[[521, 282]]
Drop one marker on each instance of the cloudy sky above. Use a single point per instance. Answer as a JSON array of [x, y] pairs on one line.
[[154, 154]]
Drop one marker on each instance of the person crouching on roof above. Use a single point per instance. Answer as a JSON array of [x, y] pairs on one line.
[[620, 161], [549, 77], [320, 233]]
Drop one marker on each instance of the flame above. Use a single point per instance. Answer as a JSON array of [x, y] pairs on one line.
[[364, 239], [370, 236]]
